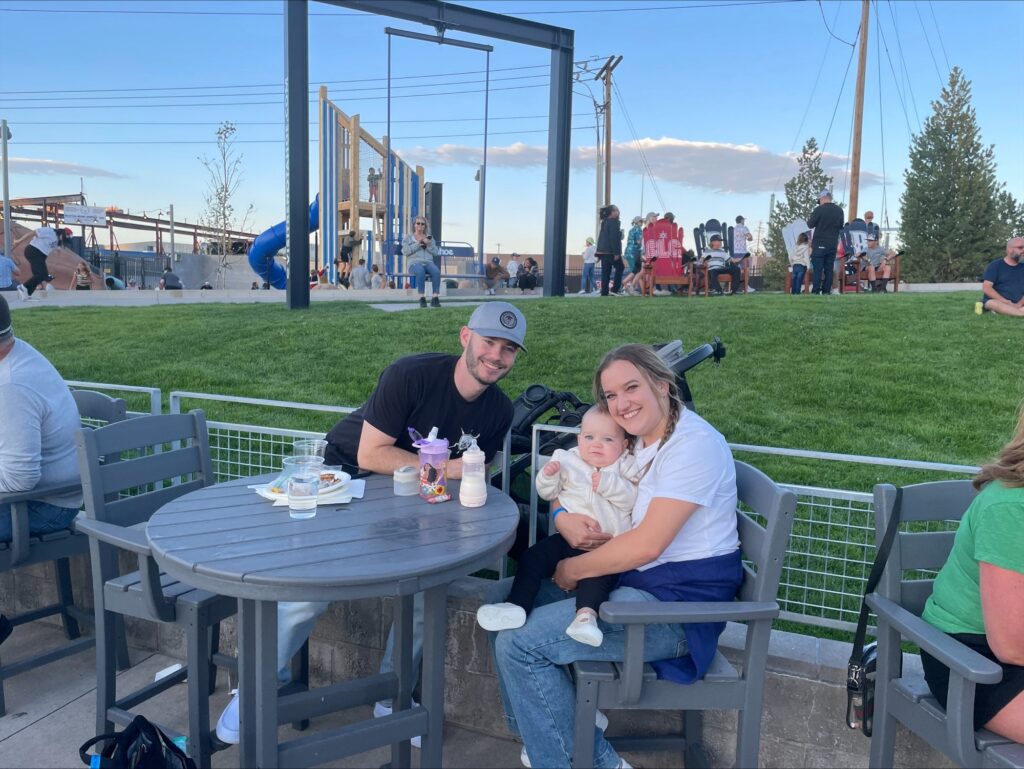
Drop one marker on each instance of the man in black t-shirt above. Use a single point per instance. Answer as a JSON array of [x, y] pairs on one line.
[[1003, 282], [459, 396], [827, 221]]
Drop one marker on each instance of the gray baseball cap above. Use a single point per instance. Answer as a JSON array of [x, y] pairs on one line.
[[500, 320], [824, 194]]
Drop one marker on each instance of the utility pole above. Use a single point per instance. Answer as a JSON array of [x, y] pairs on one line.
[[5, 134], [858, 111], [605, 73]]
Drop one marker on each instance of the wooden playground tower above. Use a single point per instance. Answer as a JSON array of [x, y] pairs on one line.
[[348, 155]]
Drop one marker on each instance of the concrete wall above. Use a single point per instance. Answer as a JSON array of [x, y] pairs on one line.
[[805, 692]]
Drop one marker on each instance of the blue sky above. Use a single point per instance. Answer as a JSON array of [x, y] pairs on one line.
[[719, 96]]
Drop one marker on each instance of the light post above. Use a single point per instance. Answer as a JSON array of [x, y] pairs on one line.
[[5, 134]]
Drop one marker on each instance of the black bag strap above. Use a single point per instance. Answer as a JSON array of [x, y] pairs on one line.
[[96, 761], [881, 556]]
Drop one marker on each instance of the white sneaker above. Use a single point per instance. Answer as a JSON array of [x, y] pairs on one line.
[[23, 293], [581, 291], [380, 710], [602, 723], [500, 616], [227, 724], [585, 630]]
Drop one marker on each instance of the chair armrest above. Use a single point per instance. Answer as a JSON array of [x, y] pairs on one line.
[[55, 490], [946, 649], [133, 540], [647, 612]]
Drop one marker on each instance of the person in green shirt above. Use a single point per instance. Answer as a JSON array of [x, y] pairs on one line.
[[978, 596]]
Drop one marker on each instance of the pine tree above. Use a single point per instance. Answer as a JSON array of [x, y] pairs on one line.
[[801, 198], [951, 224]]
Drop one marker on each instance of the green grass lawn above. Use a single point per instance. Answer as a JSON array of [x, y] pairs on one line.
[[909, 376]]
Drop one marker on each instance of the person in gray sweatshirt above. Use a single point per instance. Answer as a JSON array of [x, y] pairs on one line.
[[419, 250], [37, 448]]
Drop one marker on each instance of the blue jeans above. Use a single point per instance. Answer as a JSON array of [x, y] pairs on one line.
[[420, 270], [799, 270], [587, 281], [43, 518], [295, 621], [537, 691], [822, 267]]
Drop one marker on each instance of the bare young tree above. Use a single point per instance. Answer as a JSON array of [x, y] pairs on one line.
[[225, 175]]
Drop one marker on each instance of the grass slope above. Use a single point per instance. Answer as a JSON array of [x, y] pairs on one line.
[[908, 376]]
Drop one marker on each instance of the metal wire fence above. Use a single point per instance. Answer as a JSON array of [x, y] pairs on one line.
[[828, 559]]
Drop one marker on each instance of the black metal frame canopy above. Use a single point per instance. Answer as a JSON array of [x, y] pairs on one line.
[[443, 17]]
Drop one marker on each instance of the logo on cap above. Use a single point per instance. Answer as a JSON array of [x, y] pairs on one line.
[[508, 319]]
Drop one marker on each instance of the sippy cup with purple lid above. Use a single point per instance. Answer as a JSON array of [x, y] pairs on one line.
[[433, 456]]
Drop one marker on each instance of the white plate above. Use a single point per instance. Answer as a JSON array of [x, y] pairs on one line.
[[331, 479]]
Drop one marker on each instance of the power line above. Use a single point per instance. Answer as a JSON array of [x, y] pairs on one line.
[[928, 42], [938, 31], [892, 69], [639, 148], [278, 92], [825, 22], [277, 102], [338, 14], [839, 98], [881, 125], [281, 140], [279, 123], [903, 63]]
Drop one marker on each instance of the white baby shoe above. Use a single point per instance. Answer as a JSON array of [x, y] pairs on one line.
[[500, 616], [585, 630]]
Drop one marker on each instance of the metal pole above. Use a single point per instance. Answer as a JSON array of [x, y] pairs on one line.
[[173, 252], [858, 112], [483, 168], [598, 170], [296, 97], [5, 134], [388, 232]]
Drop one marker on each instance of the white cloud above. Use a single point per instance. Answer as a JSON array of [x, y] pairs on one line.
[[717, 166], [41, 167]]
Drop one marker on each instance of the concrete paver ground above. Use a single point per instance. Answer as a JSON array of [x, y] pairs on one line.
[[51, 712]]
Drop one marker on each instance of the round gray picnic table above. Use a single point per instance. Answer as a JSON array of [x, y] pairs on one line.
[[227, 539]]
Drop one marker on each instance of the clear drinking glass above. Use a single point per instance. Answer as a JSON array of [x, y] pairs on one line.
[[302, 485], [312, 447]]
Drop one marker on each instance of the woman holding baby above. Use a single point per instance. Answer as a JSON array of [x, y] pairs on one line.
[[681, 544]]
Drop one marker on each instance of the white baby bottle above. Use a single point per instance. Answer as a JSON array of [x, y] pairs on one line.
[[473, 490]]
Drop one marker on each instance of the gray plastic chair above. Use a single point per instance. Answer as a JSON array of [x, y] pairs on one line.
[[898, 602], [59, 546], [632, 685], [129, 470]]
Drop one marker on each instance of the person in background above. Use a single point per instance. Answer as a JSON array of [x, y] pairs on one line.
[[633, 256], [978, 596], [609, 250], [740, 238], [8, 269], [39, 420], [513, 268], [207, 286], [43, 242], [255, 286], [530, 276], [81, 278], [360, 279], [372, 177], [1003, 282], [169, 281], [589, 260], [827, 221], [376, 279], [799, 261], [348, 245], [873, 228], [719, 263], [419, 250], [494, 273], [879, 263]]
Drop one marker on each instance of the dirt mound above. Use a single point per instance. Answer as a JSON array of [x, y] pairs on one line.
[[61, 262]]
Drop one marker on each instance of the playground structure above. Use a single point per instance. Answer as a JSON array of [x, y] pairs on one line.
[[360, 179]]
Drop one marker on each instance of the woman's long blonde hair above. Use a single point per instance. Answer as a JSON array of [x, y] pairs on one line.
[[1008, 466], [654, 370]]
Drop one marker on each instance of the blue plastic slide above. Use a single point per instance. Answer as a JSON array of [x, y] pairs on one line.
[[269, 242]]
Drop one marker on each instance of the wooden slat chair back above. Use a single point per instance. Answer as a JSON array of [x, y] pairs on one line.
[[129, 470], [25, 549], [632, 685], [902, 696]]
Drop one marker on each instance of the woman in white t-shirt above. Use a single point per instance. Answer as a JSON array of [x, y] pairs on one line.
[[683, 546]]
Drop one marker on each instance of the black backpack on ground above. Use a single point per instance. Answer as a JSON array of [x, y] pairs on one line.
[[140, 746]]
